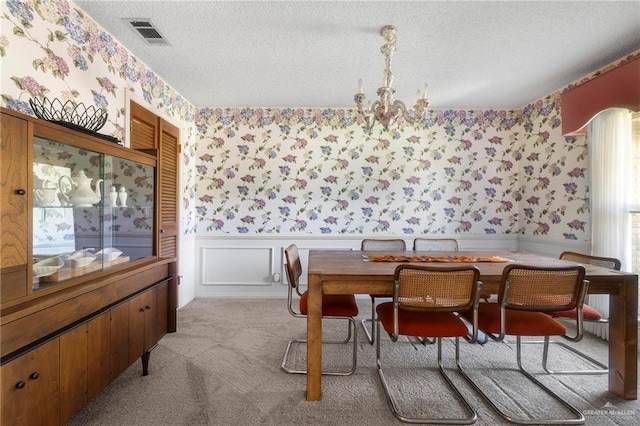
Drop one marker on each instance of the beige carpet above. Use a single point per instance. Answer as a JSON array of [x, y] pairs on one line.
[[222, 367]]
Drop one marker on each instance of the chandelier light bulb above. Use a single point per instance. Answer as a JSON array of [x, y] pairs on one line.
[[423, 93]]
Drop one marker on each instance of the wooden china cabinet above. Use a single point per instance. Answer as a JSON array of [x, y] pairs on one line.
[[88, 280]]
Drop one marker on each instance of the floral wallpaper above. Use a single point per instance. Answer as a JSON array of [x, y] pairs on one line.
[[320, 172], [52, 48], [72, 58], [316, 171]]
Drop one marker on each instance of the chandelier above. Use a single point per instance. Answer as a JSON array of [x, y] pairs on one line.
[[385, 109]]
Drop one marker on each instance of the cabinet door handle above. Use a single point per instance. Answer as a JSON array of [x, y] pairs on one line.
[[147, 307], [162, 231], [21, 191], [141, 309], [20, 384], [34, 375]]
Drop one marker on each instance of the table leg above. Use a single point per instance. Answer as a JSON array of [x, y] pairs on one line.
[[314, 339], [623, 339]]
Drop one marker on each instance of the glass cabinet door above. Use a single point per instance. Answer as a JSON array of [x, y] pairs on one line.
[[128, 210], [91, 212]]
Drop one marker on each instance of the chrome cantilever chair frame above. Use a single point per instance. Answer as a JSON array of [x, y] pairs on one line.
[[369, 244], [426, 294], [605, 262], [294, 271], [530, 301]]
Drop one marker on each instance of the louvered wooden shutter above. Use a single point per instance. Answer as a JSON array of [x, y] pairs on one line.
[[169, 189], [143, 127], [152, 134]]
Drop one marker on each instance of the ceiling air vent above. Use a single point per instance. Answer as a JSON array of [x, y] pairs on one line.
[[149, 33]]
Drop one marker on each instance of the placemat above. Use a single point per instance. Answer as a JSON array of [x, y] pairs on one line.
[[427, 258]]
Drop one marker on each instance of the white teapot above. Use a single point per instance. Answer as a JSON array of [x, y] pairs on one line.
[[79, 191]]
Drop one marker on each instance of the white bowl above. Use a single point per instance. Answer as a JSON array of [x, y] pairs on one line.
[[80, 258], [47, 266], [50, 261], [78, 262], [109, 254], [43, 271], [80, 253]]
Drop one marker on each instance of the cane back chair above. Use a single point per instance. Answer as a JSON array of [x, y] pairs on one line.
[[435, 244], [526, 295], [439, 244], [337, 307], [589, 315], [425, 301], [372, 244]]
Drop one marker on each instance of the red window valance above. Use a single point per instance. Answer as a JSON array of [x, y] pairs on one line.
[[617, 88]]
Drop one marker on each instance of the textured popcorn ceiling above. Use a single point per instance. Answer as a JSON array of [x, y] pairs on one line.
[[474, 54]]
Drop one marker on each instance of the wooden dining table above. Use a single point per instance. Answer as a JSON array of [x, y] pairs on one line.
[[351, 272]]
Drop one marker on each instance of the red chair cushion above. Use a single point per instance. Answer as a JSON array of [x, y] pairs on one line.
[[421, 324], [518, 323], [588, 313], [333, 305]]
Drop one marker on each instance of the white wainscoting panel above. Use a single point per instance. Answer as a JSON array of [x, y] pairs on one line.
[[237, 266], [252, 266], [550, 247]]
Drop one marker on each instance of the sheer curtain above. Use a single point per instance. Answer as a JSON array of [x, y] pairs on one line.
[[609, 141]]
